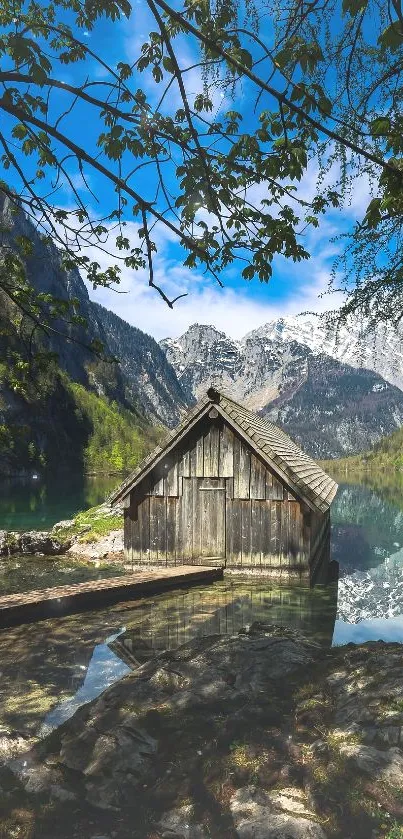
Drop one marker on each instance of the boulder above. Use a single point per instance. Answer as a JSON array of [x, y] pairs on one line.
[[63, 525], [180, 824], [9, 542], [108, 545], [32, 542], [43, 542], [219, 737], [283, 814]]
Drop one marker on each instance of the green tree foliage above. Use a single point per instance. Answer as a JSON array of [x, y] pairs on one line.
[[323, 82], [387, 454], [59, 424], [48, 422], [116, 442]]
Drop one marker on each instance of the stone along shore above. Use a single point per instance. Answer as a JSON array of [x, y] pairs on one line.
[[262, 735]]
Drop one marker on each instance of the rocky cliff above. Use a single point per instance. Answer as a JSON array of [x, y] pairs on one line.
[[142, 379], [149, 379]]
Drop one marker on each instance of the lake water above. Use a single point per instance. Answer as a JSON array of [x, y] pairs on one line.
[[37, 504], [50, 669]]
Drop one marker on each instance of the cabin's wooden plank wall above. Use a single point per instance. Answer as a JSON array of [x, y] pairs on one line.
[[214, 499]]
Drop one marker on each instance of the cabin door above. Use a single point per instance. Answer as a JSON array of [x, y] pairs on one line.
[[211, 496]]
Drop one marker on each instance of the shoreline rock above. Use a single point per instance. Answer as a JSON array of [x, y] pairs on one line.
[[68, 537], [110, 545], [32, 542], [262, 735]]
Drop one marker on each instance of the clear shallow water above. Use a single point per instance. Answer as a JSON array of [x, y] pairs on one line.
[[26, 573], [37, 504], [50, 668]]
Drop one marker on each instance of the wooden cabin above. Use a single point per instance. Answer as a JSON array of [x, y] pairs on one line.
[[230, 488]]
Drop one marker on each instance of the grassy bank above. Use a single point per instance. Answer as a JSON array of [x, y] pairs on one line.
[[91, 525]]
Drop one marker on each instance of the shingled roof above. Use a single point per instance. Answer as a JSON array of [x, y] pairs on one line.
[[304, 477]]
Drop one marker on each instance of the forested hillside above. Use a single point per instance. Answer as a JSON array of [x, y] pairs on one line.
[[55, 424], [386, 454], [61, 405]]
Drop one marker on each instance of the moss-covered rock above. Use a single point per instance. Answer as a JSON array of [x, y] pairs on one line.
[[91, 527]]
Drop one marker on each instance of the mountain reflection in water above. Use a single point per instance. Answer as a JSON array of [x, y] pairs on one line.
[[367, 542]]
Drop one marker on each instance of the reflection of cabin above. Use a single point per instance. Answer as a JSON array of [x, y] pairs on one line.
[[224, 609], [228, 487]]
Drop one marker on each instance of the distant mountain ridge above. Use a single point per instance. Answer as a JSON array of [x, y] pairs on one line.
[[353, 343], [331, 408]]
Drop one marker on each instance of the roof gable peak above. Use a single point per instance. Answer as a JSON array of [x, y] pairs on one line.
[[281, 454]]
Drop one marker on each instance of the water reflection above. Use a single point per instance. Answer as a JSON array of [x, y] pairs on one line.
[[374, 629], [48, 672], [366, 527], [66, 662], [224, 609], [367, 542], [103, 670], [37, 504]]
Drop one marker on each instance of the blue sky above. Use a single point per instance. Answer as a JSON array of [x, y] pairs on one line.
[[240, 306]]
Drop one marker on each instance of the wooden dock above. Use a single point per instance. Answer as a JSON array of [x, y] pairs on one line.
[[61, 600]]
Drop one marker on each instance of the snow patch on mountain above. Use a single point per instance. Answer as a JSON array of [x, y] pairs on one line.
[[354, 343]]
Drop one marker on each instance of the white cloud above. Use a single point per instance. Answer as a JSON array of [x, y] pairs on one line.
[[233, 311]]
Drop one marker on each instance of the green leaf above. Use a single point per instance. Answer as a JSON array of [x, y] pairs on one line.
[[157, 73], [246, 58], [354, 7], [124, 70], [380, 126], [19, 131], [392, 37], [168, 64]]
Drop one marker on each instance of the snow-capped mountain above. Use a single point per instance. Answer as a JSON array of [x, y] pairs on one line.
[[354, 343], [255, 371], [331, 408]]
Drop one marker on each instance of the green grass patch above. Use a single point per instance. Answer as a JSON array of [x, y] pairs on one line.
[[91, 525]]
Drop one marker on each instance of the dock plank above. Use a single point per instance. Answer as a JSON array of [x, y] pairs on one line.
[[26, 607]]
